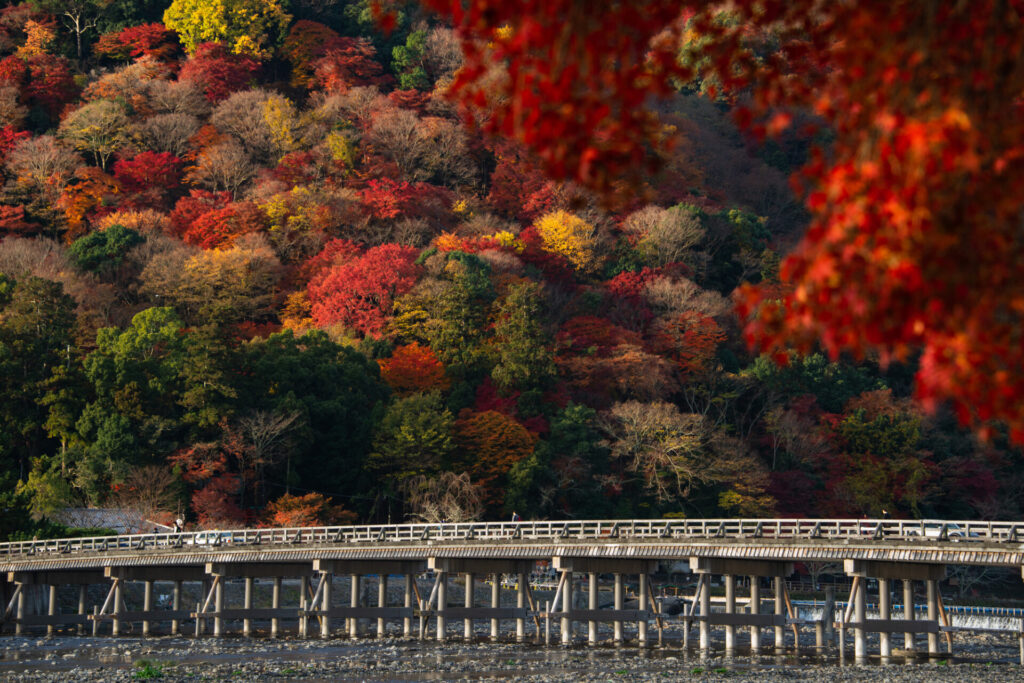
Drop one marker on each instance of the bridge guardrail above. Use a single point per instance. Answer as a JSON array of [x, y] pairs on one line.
[[635, 530]]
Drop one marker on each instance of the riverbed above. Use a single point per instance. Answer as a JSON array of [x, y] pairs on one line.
[[992, 658]]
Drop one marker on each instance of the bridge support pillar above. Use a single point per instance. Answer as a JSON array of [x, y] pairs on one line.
[[325, 605], [115, 625], [592, 604], [755, 608], [247, 604], [495, 604], [275, 603], [932, 587], [147, 605], [51, 608], [618, 607], [641, 624], [467, 623], [567, 608], [218, 607], [522, 581], [705, 613], [860, 641], [407, 622], [81, 607], [176, 606], [780, 611], [207, 586], [442, 605], [354, 593], [382, 601], [303, 620], [730, 608], [885, 613], [908, 613], [18, 628], [828, 617]]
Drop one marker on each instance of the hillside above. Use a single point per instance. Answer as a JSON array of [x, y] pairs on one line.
[[277, 279]]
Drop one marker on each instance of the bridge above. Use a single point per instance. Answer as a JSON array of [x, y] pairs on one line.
[[754, 553]]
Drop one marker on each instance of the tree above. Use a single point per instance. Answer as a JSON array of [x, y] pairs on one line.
[[570, 236], [449, 497], [104, 250], [409, 61], [198, 202], [79, 16], [169, 133], [220, 228], [336, 389], [245, 26], [99, 127], [490, 444], [50, 83], [147, 40], [663, 447], [36, 326], [150, 179], [521, 345], [413, 369], [361, 293], [306, 41], [264, 123], [347, 63], [217, 71], [216, 503], [224, 167], [893, 243], [413, 439], [691, 340], [13, 113], [150, 492], [134, 417], [664, 236], [567, 473], [457, 315], [312, 509], [219, 286], [38, 38], [90, 192], [128, 85]]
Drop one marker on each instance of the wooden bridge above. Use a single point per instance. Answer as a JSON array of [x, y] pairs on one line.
[[760, 553]]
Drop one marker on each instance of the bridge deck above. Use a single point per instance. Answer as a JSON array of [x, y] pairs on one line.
[[792, 540]]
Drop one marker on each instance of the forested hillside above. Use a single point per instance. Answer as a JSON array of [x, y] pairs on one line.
[[255, 268]]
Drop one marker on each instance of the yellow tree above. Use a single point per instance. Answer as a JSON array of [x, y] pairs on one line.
[[250, 27], [572, 237]]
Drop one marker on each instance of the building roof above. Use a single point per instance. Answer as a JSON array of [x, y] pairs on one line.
[[119, 520]]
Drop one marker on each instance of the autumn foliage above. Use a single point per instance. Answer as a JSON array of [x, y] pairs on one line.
[[480, 264], [360, 293], [147, 40], [413, 368], [311, 509], [896, 241]]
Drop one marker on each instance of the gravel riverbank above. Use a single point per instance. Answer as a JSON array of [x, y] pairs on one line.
[[979, 657]]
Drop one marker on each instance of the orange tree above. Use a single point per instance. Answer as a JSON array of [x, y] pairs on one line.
[[914, 243]]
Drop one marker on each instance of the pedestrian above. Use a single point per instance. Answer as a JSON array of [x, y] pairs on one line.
[[516, 517]]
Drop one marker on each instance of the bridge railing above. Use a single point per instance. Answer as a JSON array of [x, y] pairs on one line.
[[555, 531]]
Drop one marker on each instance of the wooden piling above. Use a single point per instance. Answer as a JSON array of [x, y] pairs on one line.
[[885, 613]]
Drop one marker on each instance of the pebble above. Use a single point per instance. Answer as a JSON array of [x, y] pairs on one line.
[[979, 657]]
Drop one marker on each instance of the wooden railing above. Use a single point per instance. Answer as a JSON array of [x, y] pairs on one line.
[[638, 530]]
